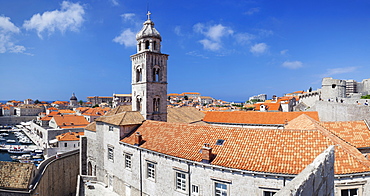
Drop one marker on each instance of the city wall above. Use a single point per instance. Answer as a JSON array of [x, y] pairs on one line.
[[60, 175], [334, 111], [15, 120], [316, 179]]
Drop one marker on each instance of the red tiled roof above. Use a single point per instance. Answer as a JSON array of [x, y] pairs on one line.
[[69, 136], [272, 151], [241, 117], [70, 121], [354, 132]]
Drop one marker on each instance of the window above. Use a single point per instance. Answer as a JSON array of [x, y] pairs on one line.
[[127, 161], [156, 105], [220, 189], [110, 153], [268, 193], [194, 190], [110, 128], [147, 45], [349, 192], [156, 74], [138, 75], [65, 144], [180, 181], [151, 170]]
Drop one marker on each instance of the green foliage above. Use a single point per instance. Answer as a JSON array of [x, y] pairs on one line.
[[37, 101], [81, 102], [186, 97], [96, 105], [365, 97]]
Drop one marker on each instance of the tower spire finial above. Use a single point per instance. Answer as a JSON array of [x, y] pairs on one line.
[[148, 15]]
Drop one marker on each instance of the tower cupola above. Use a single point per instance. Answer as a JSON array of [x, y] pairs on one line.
[[148, 38]]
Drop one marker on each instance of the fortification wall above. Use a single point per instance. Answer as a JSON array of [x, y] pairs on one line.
[[334, 111], [316, 179], [60, 176], [15, 120]]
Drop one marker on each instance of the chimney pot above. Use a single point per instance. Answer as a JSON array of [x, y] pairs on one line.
[[206, 153], [138, 138]]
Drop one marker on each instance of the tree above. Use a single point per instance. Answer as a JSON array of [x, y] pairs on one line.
[[310, 89], [37, 101], [186, 97], [81, 102]]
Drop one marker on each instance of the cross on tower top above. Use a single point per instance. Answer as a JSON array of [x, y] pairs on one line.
[[148, 15]]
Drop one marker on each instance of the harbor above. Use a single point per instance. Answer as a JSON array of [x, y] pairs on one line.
[[16, 145]]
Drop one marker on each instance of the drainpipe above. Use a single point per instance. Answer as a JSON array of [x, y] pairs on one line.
[[141, 175], [189, 179]]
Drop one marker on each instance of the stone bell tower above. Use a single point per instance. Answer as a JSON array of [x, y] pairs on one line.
[[149, 74]]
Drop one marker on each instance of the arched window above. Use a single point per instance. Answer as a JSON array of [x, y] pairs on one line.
[[156, 74], [147, 46], [138, 75], [138, 104], [89, 169], [156, 105], [154, 45], [139, 46]]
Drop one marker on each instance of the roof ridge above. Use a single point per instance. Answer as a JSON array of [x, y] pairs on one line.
[[343, 144]]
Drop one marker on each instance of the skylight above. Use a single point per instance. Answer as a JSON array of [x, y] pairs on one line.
[[220, 142]]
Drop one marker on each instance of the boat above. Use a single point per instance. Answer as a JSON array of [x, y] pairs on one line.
[[19, 151], [25, 140], [2, 138], [22, 157], [4, 134], [38, 151], [10, 141]]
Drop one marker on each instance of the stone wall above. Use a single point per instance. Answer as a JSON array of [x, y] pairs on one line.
[[333, 111], [15, 120], [60, 176], [316, 179]]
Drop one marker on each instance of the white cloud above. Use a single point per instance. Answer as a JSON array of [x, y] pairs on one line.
[[178, 30], [128, 16], [7, 26], [7, 31], [259, 48], [283, 52], [340, 70], [115, 2], [244, 38], [210, 45], [293, 64], [252, 11], [213, 35], [69, 17], [126, 38]]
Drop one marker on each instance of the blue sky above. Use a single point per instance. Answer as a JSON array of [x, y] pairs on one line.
[[229, 50]]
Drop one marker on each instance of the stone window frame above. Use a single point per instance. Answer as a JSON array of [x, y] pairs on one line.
[[110, 153], [182, 177], [268, 189], [221, 182], [127, 162], [110, 128], [350, 185], [151, 170], [195, 191]]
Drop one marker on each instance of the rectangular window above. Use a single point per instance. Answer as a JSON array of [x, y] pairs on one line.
[[65, 144], [180, 181], [110, 154], [220, 189], [194, 190], [349, 192], [110, 128], [151, 170], [127, 161], [268, 193]]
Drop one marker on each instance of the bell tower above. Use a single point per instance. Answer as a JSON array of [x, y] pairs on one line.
[[149, 74]]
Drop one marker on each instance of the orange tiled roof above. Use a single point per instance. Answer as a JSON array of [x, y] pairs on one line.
[[354, 132], [272, 151], [66, 111], [70, 121], [52, 108], [69, 136], [241, 117]]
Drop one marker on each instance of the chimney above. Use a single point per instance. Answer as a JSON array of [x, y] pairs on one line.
[[138, 138], [206, 153]]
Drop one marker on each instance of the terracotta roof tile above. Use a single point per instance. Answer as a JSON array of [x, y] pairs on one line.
[[272, 151], [70, 121], [241, 117], [69, 136], [124, 118]]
